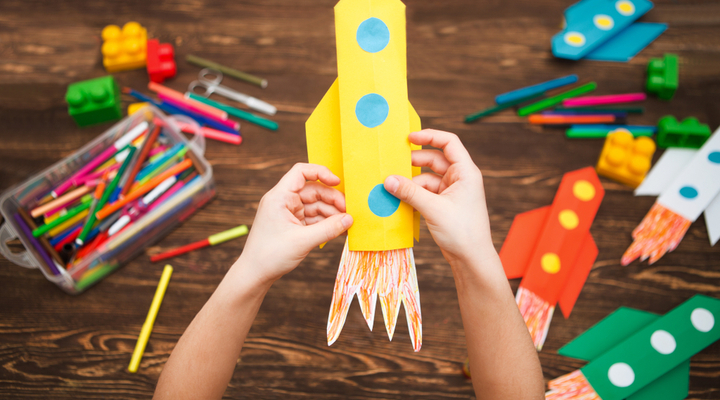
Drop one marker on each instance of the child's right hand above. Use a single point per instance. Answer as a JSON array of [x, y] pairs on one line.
[[452, 200]]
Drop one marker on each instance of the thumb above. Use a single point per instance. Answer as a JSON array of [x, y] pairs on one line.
[[409, 192], [327, 229]]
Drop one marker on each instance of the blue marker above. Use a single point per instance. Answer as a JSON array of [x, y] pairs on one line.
[[534, 90]]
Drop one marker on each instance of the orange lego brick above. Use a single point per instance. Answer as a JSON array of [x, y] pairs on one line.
[[124, 48], [625, 159]]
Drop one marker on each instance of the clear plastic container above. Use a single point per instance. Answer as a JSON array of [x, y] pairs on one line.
[[126, 244]]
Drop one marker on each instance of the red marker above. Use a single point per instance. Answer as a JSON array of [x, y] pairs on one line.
[[552, 249], [210, 241]]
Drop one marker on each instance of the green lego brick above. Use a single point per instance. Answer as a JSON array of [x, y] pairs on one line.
[[662, 78], [689, 133], [94, 101]]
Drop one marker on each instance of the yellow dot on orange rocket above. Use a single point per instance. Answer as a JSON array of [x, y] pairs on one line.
[[568, 219], [584, 190], [550, 263]]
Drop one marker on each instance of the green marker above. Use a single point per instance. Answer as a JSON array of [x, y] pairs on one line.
[[162, 167], [476, 116], [41, 230], [552, 101], [105, 196], [235, 112]]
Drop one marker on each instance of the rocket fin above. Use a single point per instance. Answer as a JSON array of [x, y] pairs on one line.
[[322, 132], [520, 242], [578, 276], [607, 333]]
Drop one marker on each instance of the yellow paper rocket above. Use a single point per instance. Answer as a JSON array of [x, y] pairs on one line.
[[360, 132]]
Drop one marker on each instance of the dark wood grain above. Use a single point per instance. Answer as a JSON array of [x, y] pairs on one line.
[[460, 55]]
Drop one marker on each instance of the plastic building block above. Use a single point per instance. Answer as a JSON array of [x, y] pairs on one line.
[[160, 61], [626, 159], [689, 133], [124, 49], [662, 78], [94, 101]]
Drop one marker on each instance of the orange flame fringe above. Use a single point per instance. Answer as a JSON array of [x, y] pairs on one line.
[[369, 274], [659, 232], [571, 386], [537, 314]]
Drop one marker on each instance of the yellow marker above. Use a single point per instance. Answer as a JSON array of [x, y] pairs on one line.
[[150, 320]]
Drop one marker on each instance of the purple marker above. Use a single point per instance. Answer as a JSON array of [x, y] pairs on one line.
[[28, 234]]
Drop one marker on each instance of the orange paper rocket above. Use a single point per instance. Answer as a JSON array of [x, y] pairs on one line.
[[552, 249]]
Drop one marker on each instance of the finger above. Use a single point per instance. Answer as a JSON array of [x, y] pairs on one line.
[[320, 208], [314, 220], [314, 191], [295, 179], [433, 159], [326, 229], [448, 142], [410, 192], [429, 182]]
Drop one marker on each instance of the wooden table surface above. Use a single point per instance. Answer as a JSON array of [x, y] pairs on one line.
[[460, 55]]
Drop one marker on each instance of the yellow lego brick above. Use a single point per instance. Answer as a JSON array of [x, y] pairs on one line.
[[124, 48], [625, 159]]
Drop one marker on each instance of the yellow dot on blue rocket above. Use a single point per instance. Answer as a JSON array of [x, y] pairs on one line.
[[688, 192], [372, 110], [714, 157], [381, 202], [373, 35]]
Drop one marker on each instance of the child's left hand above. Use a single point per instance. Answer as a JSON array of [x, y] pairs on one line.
[[295, 216]]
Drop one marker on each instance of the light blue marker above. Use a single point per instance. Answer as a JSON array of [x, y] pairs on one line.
[[535, 89]]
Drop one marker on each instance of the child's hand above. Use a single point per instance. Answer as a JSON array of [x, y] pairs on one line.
[[294, 217], [452, 200]]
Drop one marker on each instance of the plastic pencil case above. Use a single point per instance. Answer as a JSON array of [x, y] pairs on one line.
[[126, 244]]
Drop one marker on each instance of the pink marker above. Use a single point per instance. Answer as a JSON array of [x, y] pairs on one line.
[[156, 150], [184, 106], [212, 133], [604, 100], [96, 175], [97, 161]]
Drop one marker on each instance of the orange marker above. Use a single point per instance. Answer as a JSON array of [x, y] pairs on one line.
[[540, 119], [137, 193]]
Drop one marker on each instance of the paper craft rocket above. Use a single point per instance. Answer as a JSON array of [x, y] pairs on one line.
[[688, 184], [604, 30], [360, 132], [552, 249], [637, 355]]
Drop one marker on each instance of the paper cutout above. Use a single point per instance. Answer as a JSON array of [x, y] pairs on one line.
[[680, 203], [628, 43], [666, 169], [591, 23], [359, 130], [637, 355], [552, 248]]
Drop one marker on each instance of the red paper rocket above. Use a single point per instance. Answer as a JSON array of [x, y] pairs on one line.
[[552, 249]]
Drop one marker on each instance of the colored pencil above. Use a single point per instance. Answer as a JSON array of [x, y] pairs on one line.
[[201, 62], [209, 241], [196, 105], [539, 119], [235, 112], [211, 133], [140, 159], [150, 320], [538, 89], [605, 100], [61, 201], [131, 135], [555, 100], [494, 109], [150, 185]]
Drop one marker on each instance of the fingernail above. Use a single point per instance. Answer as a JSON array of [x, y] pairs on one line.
[[391, 184], [346, 221]]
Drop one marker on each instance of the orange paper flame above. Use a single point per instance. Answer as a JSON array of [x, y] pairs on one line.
[[537, 314], [659, 232], [573, 386], [369, 274]]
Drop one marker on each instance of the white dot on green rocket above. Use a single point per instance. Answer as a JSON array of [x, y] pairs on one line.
[[381, 202], [373, 35]]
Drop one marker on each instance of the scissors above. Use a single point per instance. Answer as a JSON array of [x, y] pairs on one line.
[[213, 86]]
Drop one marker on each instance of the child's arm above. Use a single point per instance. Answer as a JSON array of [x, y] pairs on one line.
[[294, 217], [503, 360]]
